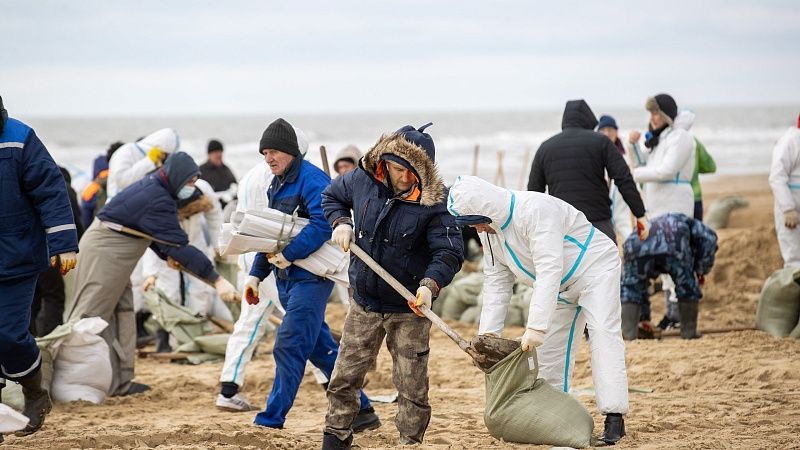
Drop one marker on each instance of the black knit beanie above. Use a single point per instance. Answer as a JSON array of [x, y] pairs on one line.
[[667, 105], [280, 136], [214, 146]]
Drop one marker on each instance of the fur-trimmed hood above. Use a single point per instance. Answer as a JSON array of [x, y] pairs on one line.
[[430, 182]]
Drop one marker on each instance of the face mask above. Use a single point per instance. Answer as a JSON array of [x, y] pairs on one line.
[[185, 192]]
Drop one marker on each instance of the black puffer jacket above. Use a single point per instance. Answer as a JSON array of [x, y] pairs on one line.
[[573, 164]]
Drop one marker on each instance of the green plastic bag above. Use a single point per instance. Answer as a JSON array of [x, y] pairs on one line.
[[779, 306], [521, 408]]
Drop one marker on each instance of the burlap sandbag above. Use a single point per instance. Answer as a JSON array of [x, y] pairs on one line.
[[463, 294], [779, 306], [520, 408]]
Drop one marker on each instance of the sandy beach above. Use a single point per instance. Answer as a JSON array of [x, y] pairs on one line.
[[731, 390]]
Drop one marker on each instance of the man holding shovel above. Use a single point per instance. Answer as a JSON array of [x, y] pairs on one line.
[[574, 270], [398, 218]]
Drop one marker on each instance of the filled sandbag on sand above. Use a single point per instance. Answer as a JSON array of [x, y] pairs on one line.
[[778, 310], [521, 408]]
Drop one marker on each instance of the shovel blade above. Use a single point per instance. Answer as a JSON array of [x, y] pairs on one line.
[[487, 350]]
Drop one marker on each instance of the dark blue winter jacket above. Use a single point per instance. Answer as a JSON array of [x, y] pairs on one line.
[[298, 190], [150, 206], [412, 237], [36, 219]]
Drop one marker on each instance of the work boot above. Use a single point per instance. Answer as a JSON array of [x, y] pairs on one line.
[[162, 345], [331, 442], [688, 310], [630, 320], [37, 403], [613, 429], [366, 420]]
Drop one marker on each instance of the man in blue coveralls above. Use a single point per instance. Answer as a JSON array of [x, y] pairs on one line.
[[303, 335], [37, 229]]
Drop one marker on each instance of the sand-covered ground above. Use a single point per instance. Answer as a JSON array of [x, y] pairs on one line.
[[730, 390]]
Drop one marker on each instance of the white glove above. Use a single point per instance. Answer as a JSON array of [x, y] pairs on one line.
[[532, 339], [251, 290], [67, 261], [424, 297], [226, 290], [343, 235], [279, 261], [148, 283]]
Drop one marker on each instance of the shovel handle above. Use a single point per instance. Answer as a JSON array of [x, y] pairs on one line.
[[392, 281]]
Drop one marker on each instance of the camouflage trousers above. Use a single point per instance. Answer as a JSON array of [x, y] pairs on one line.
[[407, 338]]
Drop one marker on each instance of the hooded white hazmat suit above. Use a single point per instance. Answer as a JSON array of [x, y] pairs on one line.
[[574, 271], [130, 164], [203, 231], [784, 179]]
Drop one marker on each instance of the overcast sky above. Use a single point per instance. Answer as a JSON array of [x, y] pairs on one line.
[[95, 58]]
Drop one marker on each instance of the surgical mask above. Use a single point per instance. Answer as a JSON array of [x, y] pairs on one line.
[[185, 192]]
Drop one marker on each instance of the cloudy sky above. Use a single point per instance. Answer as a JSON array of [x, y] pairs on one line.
[[96, 58]]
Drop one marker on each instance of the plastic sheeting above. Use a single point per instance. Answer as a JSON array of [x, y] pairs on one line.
[[269, 231]]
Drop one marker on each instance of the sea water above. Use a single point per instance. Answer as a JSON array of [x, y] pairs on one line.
[[739, 138]]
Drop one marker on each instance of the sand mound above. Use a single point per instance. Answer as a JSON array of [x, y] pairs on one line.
[[735, 390]]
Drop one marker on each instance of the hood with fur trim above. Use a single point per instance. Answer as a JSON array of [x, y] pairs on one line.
[[430, 182]]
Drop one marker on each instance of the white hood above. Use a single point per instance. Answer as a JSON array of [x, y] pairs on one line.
[[166, 139], [685, 120], [473, 196]]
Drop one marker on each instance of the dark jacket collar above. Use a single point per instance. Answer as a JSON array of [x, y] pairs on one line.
[[293, 171]]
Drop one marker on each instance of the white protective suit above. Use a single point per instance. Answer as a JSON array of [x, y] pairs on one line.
[[574, 270], [667, 170], [203, 231], [784, 179], [252, 323], [130, 164]]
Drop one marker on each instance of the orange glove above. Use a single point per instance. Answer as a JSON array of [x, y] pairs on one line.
[[424, 297], [65, 261]]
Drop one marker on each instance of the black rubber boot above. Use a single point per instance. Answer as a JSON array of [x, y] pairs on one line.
[[366, 420], [162, 345], [331, 442], [37, 403], [614, 428], [630, 320], [688, 310]]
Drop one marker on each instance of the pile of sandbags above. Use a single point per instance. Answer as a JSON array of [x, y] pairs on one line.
[[463, 300], [270, 231], [521, 408], [778, 310]]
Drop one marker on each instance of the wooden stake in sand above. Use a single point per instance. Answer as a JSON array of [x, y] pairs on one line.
[[475, 160], [493, 349], [523, 170], [324, 155], [500, 176]]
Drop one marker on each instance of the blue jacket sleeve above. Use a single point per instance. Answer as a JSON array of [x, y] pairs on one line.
[[190, 257], [47, 189], [318, 231], [87, 211], [261, 266], [446, 249], [337, 198], [161, 221]]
